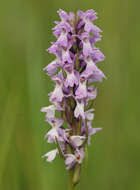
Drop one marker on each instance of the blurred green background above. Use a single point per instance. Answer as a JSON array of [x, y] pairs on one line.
[[114, 156]]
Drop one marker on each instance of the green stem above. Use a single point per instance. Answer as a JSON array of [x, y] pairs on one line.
[[70, 185]]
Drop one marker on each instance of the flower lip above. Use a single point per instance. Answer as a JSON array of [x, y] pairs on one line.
[[57, 79], [76, 140], [68, 67], [82, 79], [53, 122], [50, 156]]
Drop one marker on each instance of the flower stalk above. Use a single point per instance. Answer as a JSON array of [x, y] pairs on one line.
[[70, 184], [74, 72]]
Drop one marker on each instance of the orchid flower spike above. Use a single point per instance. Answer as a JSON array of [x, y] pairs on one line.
[[74, 72]]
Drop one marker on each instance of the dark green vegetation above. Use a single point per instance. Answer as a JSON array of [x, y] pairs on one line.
[[114, 156]]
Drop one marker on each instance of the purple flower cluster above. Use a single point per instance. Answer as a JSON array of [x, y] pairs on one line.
[[74, 71]]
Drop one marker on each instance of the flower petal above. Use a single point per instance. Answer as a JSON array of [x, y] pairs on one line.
[[50, 156], [77, 140]]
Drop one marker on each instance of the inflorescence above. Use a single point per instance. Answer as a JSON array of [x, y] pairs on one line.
[[74, 72]]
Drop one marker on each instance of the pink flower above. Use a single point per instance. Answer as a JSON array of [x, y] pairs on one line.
[[50, 156]]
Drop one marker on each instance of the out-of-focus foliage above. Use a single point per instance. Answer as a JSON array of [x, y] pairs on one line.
[[114, 155]]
